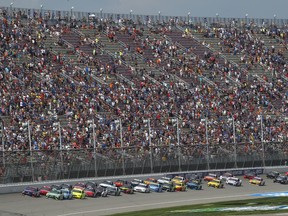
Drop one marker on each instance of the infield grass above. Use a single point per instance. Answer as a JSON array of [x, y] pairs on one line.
[[209, 209]]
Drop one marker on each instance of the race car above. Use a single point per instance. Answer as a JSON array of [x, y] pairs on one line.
[[31, 191], [163, 180], [90, 192], [170, 187], [91, 184], [106, 184], [67, 194], [281, 179], [150, 180], [100, 191], [78, 193], [156, 187], [210, 177], [215, 183], [250, 175], [180, 186], [136, 182], [66, 186], [80, 185], [179, 179], [194, 185], [142, 188], [127, 189], [272, 174], [257, 181], [225, 176], [45, 189], [234, 181], [114, 191], [120, 183], [195, 178], [55, 194]]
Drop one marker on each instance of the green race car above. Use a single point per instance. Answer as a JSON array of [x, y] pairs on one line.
[[55, 194]]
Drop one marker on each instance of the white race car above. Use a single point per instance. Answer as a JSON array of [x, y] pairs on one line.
[[234, 181], [164, 180], [106, 184], [142, 188]]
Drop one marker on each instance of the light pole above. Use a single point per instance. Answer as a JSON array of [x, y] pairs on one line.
[[131, 11], [178, 142], [2, 141], [31, 152], [122, 147], [159, 14], [101, 10], [94, 148], [41, 7], [71, 13], [274, 19], [262, 140], [246, 18], [60, 145], [234, 140], [207, 144], [217, 17], [11, 5], [188, 18], [150, 147]]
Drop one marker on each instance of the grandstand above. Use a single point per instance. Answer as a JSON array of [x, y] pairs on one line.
[[112, 94]]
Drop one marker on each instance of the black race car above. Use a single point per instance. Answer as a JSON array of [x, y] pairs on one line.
[[281, 179], [272, 174]]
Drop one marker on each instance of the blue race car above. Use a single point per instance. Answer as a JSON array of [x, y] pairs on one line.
[[155, 187], [31, 191], [67, 194], [194, 185]]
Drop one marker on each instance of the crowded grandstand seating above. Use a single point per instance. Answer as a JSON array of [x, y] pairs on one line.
[[57, 78]]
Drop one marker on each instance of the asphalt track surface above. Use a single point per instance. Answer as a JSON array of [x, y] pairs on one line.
[[16, 204]]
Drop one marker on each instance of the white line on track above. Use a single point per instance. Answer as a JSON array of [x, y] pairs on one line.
[[152, 204]]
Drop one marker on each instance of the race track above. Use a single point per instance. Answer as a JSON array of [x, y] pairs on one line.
[[16, 204]]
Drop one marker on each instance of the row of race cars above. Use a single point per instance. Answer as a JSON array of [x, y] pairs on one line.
[[82, 190]]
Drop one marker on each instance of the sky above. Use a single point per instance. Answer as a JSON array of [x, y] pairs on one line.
[[197, 8]]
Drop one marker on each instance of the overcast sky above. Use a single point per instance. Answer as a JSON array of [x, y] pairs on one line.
[[199, 8]]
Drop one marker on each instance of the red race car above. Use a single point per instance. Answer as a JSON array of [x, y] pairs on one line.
[[90, 192], [120, 183], [210, 177], [45, 189], [250, 175]]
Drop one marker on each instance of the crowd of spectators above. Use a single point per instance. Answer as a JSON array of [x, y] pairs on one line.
[[50, 100]]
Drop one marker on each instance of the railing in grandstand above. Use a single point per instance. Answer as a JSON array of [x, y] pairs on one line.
[[138, 18]]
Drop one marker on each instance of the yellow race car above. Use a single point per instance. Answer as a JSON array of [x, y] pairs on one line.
[[78, 193], [215, 183], [257, 181], [178, 179], [180, 186]]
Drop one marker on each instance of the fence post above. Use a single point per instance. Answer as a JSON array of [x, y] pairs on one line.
[[207, 145], [234, 140], [178, 144], [123, 150], [262, 141], [2, 141], [94, 147], [60, 145]]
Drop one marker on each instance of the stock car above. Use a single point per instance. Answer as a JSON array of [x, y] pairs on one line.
[[179, 179], [127, 189], [31, 191], [136, 182], [114, 191], [78, 193], [90, 192], [91, 184], [67, 194], [194, 185], [45, 189], [272, 174], [100, 191], [142, 188], [106, 184], [80, 185], [257, 181], [234, 181], [55, 194], [156, 187], [120, 183], [216, 183], [281, 179], [225, 176], [66, 186], [170, 187], [150, 180], [164, 180], [195, 178], [210, 177], [250, 175], [180, 186]]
